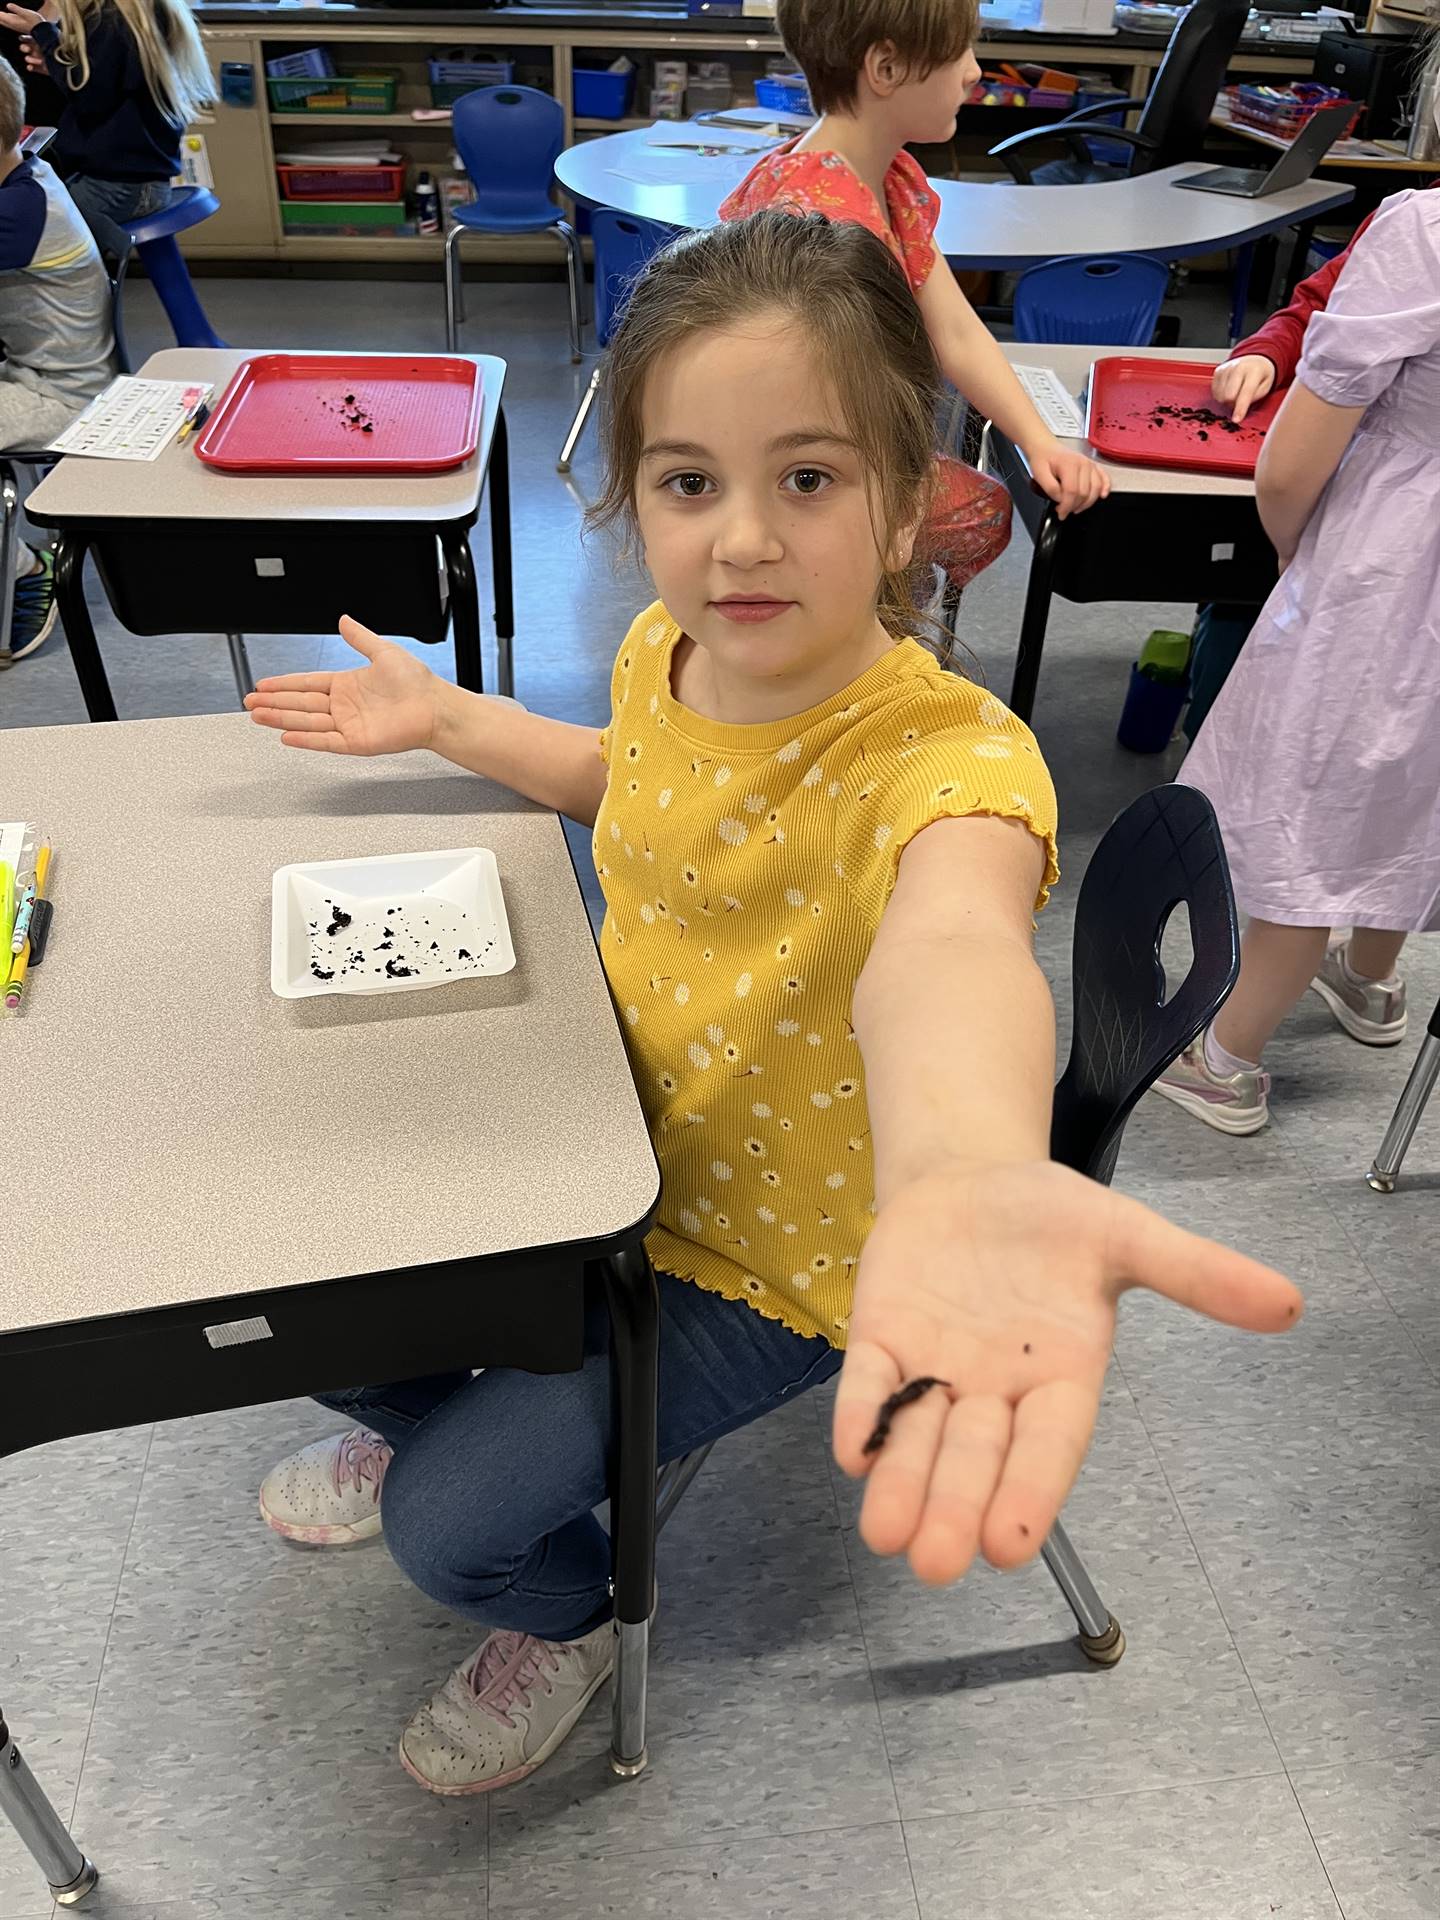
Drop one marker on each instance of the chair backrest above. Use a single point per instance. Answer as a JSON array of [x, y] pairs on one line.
[[1096, 302], [508, 139], [1178, 107], [1164, 849], [623, 246]]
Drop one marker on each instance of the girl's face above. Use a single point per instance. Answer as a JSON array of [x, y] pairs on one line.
[[755, 514], [929, 107]]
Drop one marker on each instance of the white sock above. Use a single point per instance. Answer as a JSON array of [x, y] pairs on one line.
[[1221, 1063], [1362, 980]]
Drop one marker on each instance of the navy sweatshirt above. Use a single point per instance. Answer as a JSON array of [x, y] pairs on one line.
[[112, 128]]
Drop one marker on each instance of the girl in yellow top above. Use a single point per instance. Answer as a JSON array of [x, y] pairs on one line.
[[821, 854]]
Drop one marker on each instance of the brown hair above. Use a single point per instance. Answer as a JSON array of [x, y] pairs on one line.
[[829, 39], [12, 107], [843, 287]]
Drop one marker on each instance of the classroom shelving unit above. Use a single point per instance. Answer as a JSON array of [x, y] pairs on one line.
[[242, 141]]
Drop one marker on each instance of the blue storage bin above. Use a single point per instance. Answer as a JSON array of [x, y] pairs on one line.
[[1105, 153], [602, 96], [1151, 712], [314, 64], [471, 73], [783, 93]]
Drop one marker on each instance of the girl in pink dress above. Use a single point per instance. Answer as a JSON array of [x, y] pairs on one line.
[[883, 74], [1322, 755]]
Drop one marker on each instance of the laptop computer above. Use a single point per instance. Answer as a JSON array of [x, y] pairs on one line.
[[1293, 167]]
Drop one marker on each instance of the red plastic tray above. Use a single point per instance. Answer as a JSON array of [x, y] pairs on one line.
[[1125, 393], [307, 413]]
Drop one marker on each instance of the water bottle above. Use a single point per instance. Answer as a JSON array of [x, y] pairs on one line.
[[427, 205]]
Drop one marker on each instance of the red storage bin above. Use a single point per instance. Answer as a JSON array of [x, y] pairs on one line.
[[341, 183]]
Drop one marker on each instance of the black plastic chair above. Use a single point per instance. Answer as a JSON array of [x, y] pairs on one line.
[[1163, 851], [1175, 114]]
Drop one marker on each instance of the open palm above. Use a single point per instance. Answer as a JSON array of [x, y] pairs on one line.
[[1003, 1285], [387, 706]]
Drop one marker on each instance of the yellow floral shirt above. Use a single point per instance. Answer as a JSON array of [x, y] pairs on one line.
[[745, 870]]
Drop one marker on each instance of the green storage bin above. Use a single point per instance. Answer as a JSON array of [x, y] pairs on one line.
[[366, 216], [371, 91]]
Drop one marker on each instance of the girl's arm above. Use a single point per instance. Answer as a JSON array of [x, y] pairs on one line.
[[971, 360], [1297, 462], [989, 1269], [396, 705]]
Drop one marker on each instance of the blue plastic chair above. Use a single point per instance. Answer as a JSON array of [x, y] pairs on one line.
[[153, 238], [623, 247], [508, 139], [1094, 302]]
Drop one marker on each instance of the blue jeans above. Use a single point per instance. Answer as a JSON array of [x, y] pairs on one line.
[[488, 1500], [103, 203]]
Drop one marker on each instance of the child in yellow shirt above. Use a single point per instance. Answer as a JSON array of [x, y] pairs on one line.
[[821, 854]]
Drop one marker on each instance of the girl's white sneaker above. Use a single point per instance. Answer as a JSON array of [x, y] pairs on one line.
[[328, 1494]]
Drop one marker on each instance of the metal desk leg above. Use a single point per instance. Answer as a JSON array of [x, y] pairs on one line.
[[1299, 257], [464, 608], [498, 481], [1240, 289], [1100, 1637], [635, 1345], [79, 628], [70, 1875], [1036, 616], [1401, 1130]]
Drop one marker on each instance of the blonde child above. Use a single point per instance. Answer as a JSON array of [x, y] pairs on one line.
[[884, 73], [1322, 754], [133, 74], [810, 837]]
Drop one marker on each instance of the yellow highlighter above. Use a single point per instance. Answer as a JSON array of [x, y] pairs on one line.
[[15, 985]]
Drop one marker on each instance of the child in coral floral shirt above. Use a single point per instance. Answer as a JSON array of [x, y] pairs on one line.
[[883, 73]]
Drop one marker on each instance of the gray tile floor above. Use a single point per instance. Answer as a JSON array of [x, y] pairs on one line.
[[218, 1714]]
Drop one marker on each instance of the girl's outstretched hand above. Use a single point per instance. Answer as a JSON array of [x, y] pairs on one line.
[[1003, 1282], [387, 706], [1072, 480]]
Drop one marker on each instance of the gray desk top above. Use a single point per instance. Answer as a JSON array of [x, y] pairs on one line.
[[177, 1133], [1073, 365], [177, 486], [995, 224]]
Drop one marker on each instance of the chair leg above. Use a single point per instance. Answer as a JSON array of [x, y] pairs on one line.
[[9, 533], [1100, 1637], [165, 265], [577, 425], [69, 1874], [454, 269], [573, 269], [1401, 1130], [674, 1479], [240, 665]]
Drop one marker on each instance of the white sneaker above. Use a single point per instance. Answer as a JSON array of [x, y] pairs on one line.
[[504, 1713], [1369, 1012], [328, 1494]]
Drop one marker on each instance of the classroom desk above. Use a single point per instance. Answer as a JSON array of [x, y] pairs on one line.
[[999, 225], [1161, 535], [182, 548], [252, 1198]]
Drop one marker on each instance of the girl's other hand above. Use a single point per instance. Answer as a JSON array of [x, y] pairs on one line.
[[1003, 1283], [1242, 384], [389, 706], [24, 20], [34, 59], [1072, 480]]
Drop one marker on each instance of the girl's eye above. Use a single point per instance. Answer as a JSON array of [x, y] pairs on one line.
[[688, 486], [808, 481]]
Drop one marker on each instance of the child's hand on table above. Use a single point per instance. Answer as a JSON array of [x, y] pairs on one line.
[[389, 706], [1071, 479], [1004, 1283], [1242, 384]]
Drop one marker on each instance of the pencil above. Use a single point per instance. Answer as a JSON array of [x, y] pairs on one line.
[[15, 985]]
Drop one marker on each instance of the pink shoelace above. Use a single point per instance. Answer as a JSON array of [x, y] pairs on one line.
[[507, 1671], [360, 1457]]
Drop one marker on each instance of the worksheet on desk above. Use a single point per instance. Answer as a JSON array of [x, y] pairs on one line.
[[132, 419]]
